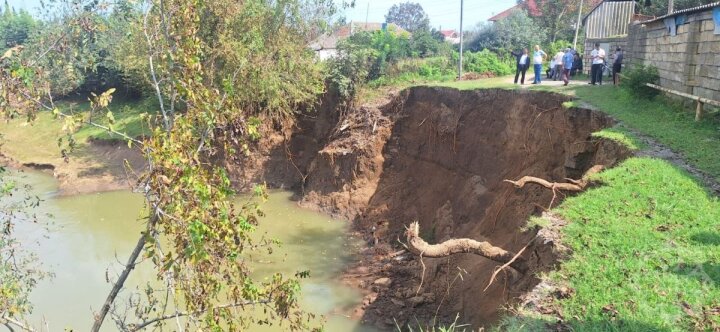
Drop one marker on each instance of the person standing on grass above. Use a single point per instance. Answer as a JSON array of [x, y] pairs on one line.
[[598, 60], [538, 57], [617, 66], [523, 63], [558, 65], [567, 63]]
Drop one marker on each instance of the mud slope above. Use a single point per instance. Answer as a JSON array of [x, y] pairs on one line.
[[439, 156]]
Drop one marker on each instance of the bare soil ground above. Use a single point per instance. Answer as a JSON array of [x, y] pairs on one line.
[[437, 156]]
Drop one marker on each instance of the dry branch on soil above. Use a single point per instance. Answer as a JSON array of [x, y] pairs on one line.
[[572, 185], [418, 246]]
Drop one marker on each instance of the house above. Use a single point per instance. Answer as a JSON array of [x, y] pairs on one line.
[[607, 23], [325, 46], [683, 46], [451, 36], [530, 6]]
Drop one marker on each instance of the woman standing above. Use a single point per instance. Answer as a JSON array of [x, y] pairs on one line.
[[538, 57]]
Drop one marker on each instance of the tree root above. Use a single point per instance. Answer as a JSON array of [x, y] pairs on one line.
[[571, 185], [418, 246]]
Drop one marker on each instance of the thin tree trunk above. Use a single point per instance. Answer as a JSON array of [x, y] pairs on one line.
[[129, 266]]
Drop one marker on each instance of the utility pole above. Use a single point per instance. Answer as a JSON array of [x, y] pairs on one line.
[[461, 41], [671, 6], [367, 13], [577, 25]]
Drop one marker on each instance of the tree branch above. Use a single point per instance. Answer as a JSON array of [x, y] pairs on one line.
[[144, 324], [129, 266], [418, 246]]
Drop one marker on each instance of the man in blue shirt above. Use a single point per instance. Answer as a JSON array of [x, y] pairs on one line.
[[567, 63]]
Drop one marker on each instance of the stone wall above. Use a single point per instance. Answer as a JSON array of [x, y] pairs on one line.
[[613, 43], [688, 62]]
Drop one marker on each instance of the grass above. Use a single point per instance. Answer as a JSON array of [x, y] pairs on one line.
[[646, 242], [645, 254], [43, 133]]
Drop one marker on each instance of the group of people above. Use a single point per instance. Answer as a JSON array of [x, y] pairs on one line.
[[566, 63]]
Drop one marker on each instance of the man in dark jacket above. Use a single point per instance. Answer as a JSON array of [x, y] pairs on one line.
[[523, 63]]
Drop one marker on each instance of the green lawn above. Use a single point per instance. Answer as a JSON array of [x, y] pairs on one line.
[[646, 254], [43, 133]]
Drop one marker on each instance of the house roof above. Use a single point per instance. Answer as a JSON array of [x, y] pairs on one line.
[[595, 4], [329, 41], [448, 33], [530, 5], [685, 11]]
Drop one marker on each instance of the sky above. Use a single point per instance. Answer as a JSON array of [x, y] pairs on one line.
[[443, 14]]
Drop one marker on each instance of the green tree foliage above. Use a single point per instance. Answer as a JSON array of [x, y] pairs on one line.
[[19, 270], [660, 7], [514, 32], [409, 16], [15, 27], [216, 68], [558, 18]]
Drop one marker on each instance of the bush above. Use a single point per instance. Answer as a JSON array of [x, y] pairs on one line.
[[485, 62], [637, 77]]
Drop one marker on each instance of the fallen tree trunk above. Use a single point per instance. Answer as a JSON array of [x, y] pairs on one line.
[[573, 185], [418, 246]]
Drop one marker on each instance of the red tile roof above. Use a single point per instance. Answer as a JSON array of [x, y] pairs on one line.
[[530, 5]]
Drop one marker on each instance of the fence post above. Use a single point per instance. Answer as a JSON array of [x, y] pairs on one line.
[[699, 111]]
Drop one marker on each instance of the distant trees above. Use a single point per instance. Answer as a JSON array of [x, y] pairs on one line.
[[409, 16], [15, 27]]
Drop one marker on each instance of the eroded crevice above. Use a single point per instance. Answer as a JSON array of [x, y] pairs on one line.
[[439, 156]]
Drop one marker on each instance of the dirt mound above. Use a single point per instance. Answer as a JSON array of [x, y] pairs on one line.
[[439, 156]]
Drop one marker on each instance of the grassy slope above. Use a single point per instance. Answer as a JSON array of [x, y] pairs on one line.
[[646, 243], [38, 141]]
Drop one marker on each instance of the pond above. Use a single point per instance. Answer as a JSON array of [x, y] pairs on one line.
[[91, 234]]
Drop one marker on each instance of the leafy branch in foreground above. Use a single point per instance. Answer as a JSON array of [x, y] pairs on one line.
[[216, 67]]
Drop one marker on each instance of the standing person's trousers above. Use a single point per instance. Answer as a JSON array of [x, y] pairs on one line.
[[538, 73], [566, 76], [596, 73], [520, 71]]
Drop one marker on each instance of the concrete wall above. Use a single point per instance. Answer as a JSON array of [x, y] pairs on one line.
[[607, 44], [688, 62]]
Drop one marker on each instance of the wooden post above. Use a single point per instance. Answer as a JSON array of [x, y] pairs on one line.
[[699, 111]]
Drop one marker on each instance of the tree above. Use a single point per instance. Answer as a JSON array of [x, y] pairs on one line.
[[409, 16], [215, 67], [514, 32], [15, 27], [556, 16], [660, 7]]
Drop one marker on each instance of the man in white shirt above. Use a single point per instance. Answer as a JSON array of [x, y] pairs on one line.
[[598, 61], [538, 57], [558, 65]]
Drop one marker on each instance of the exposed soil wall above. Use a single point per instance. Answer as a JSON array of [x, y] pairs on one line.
[[437, 156]]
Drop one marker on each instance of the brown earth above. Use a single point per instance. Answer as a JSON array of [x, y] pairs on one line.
[[437, 156], [101, 165]]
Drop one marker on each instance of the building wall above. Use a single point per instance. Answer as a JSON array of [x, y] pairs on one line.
[[607, 44], [609, 19], [688, 62]]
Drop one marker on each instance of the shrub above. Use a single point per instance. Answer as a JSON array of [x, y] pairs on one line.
[[637, 77], [485, 62]]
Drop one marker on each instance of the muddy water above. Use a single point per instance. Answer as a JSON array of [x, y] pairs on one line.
[[90, 234]]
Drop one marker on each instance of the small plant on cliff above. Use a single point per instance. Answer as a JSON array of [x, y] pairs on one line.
[[638, 77]]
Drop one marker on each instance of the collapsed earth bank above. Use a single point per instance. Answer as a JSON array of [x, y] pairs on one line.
[[437, 156]]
